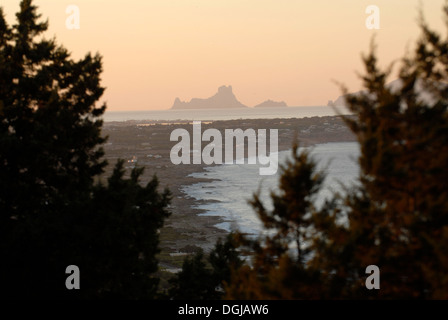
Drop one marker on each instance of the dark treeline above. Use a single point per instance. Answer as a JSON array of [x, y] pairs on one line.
[[53, 213]]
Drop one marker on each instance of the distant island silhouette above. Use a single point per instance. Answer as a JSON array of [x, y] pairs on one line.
[[271, 104], [223, 99]]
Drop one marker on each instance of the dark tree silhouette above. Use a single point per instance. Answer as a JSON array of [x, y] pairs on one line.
[[397, 218], [205, 279], [52, 214]]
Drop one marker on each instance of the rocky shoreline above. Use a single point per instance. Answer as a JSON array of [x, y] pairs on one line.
[[147, 143]]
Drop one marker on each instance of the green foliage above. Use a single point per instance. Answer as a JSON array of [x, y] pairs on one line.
[[52, 215], [223, 259], [202, 279], [194, 281]]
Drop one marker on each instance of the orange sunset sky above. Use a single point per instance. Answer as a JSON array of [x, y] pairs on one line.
[[291, 50]]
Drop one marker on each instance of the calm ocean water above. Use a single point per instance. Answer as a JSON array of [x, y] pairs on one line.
[[237, 183], [223, 114]]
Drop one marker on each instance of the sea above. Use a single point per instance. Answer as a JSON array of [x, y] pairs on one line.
[[224, 114], [231, 186]]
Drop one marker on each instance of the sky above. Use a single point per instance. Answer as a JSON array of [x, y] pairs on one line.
[[284, 50]]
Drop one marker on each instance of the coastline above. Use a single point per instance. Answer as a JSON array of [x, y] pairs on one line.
[[147, 143]]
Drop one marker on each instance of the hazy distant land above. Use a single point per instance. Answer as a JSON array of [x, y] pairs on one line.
[[223, 99], [270, 104], [147, 143]]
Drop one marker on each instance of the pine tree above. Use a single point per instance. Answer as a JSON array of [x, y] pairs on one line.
[[397, 218], [205, 279], [403, 134], [279, 265], [194, 281], [52, 214]]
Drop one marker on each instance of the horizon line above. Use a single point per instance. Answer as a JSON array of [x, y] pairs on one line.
[[259, 108]]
